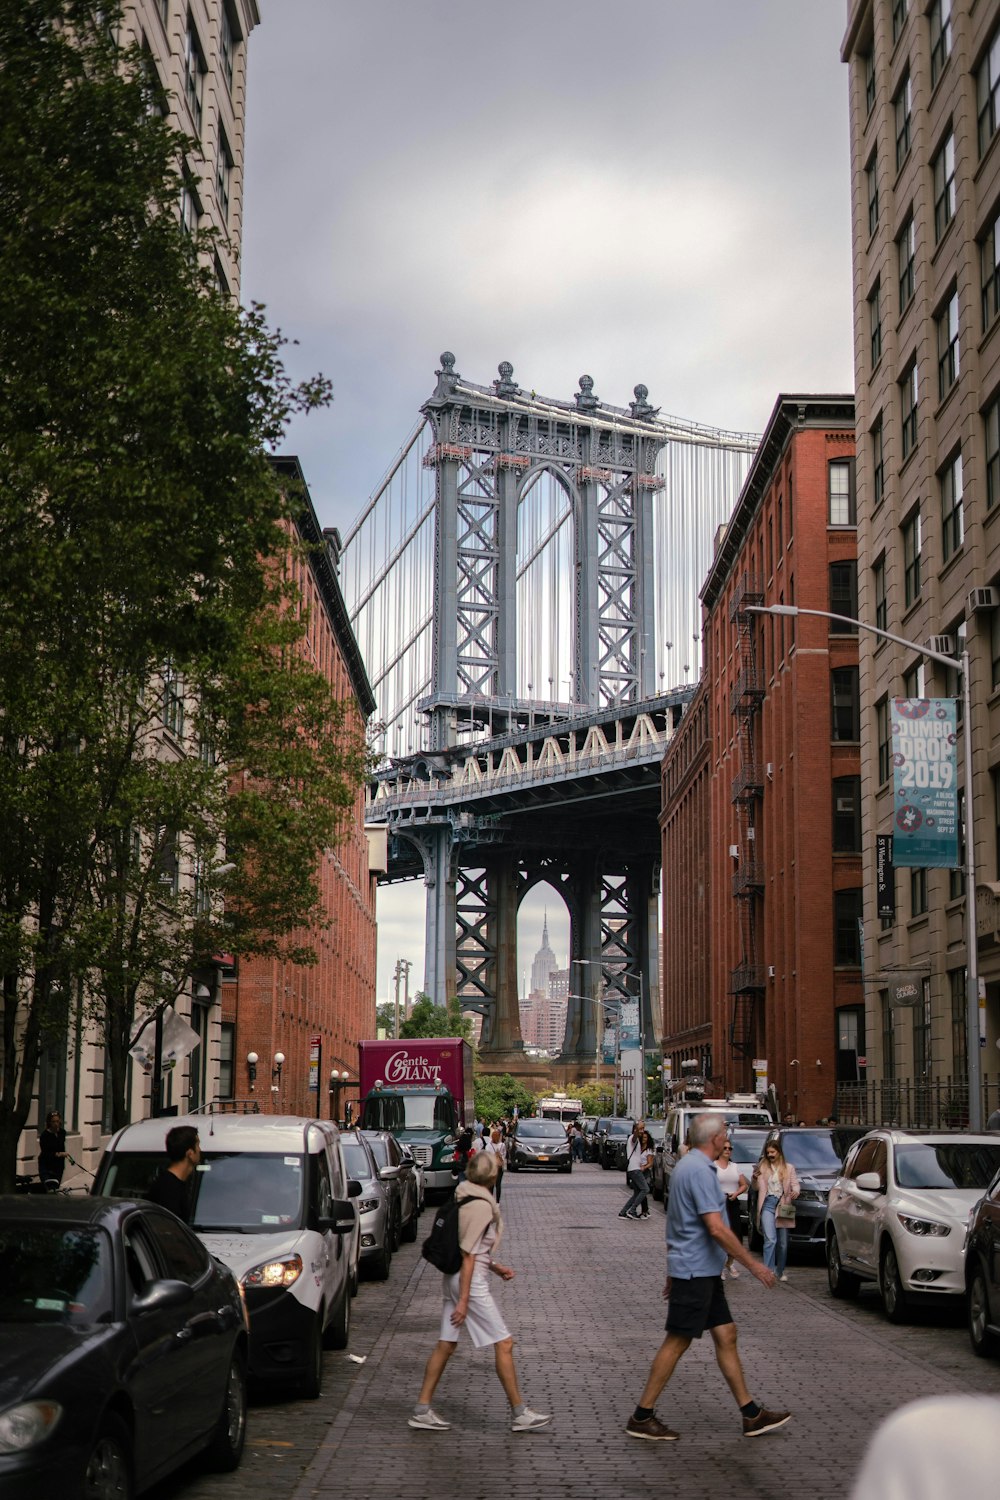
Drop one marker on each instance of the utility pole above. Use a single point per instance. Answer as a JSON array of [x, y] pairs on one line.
[[402, 971]]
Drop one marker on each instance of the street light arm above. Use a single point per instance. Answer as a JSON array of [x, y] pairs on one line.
[[792, 611]]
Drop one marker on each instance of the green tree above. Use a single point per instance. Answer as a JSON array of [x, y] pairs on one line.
[[385, 1017], [498, 1093], [428, 1019], [141, 524], [596, 1098]]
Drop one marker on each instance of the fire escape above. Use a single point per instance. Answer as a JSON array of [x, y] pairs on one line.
[[746, 982]]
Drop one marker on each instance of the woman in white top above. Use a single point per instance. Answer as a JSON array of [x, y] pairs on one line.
[[733, 1183], [494, 1146]]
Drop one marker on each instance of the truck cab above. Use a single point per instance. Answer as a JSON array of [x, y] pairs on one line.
[[424, 1117]]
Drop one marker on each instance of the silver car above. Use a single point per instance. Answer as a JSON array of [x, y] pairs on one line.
[[395, 1170], [374, 1208]]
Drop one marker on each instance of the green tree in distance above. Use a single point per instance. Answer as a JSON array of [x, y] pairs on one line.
[[141, 528], [498, 1093], [428, 1019]]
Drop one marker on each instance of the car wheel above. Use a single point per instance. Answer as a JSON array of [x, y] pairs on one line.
[[567, 1168], [397, 1233], [107, 1474], [381, 1263], [657, 1191], [338, 1330], [226, 1447], [983, 1342], [890, 1283], [312, 1380], [841, 1283], [409, 1231], [355, 1280]]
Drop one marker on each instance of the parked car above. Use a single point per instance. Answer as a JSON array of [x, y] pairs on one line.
[[739, 1111], [539, 1143], [394, 1167], [614, 1146], [597, 1137], [419, 1174], [587, 1125], [982, 1272], [270, 1200], [123, 1349], [374, 1205], [898, 1214]]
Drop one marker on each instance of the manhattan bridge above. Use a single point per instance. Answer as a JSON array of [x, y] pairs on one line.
[[523, 585]]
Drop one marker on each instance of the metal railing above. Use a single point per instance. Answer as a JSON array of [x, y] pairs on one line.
[[927, 1104]]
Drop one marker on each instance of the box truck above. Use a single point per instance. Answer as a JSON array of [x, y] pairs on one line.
[[421, 1091]]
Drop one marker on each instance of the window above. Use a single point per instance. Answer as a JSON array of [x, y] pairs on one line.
[[227, 47], [847, 815], [883, 740], [202, 887], [227, 1058], [847, 932], [954, 684], [922, 1033], [878, 466], [947, 346], [871, 178], [906, 254], [940, 19], [845, 705], [869, 82], [918, 891], [888, 1037], [223, 177], [189, 214], [164, 9], [903, 107], [184, 1256], [194, 74], [989, 274], [881, 600], [911, 559], [944, 186], [987, 92], [991, 419], [908, 396], [995, 647], [956, 877], [951, 507], [840, 489], [172, 701], [915, 682], [899, 11], [959, 1031], [875, 323], [844, 596], [780, 524], [850, 1042], [167, 862]]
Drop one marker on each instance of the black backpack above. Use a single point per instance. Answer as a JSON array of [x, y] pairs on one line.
[[441, 1247]]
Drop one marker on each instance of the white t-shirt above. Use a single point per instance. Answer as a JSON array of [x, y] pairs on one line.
[[634, 1154], [729, 1177]]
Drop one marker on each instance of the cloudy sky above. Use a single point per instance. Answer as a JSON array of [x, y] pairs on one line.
[[656, 193]]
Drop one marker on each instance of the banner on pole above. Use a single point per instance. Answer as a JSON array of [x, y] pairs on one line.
[[925, 793]]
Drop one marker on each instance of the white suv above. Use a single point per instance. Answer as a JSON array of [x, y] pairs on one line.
[[897, 1215]]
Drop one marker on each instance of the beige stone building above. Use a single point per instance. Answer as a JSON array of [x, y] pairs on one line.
[[925, 158]]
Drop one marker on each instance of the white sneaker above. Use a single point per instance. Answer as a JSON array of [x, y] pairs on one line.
[[430, 1420], [529, 1420], [734, 1271], [782, 1277], [722, 1275]]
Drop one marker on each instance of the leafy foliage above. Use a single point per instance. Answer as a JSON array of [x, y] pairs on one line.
[[428, 1019], [498, 1093]]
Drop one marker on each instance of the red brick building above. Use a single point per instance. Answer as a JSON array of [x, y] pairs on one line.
[[784, 817], [687, 867], [269, 1006]]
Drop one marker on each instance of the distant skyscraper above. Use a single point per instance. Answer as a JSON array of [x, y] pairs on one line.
[[545, 962]]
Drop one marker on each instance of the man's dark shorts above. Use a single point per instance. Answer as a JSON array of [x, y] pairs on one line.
[[695, 1305]]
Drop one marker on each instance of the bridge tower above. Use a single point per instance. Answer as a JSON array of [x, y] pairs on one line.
[[490, 446]]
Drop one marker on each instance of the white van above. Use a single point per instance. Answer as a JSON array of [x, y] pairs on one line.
[[271, 1202]]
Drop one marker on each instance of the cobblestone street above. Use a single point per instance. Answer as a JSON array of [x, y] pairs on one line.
[[587, 1315]]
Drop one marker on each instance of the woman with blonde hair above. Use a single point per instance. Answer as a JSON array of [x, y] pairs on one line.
[[777, 1189]]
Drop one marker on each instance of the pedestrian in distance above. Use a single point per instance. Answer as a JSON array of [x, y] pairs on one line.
[[634, 1175], [495, 1147], [468, 1302], [463, 1153], [172, 1186], [698, 1242], [577, 1141], [732, 1183], [777, 1189], [52, 1149], [646, 1167]]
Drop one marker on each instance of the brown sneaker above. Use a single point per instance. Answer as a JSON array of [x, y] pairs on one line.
[[651, 1429], [765, 1421]]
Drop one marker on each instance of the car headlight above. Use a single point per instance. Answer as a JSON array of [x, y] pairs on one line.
[[923, 1226], [812, 1195], [23, 1426], [275, 1272], [365, 1205]]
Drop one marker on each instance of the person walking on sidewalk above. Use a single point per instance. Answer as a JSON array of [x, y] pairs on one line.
[[468, 1301], [634, 1175], [732, 1183], [698, 1241], [777, 1189]]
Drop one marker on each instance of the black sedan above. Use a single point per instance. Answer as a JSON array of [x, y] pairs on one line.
[[614, 1147], [982, 1272], [122, 1349]]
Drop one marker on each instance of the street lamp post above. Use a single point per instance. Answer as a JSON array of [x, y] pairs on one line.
[[601, 1001], [955, 664], [635, 974]]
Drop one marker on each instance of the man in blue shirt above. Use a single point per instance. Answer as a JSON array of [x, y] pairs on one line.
[[698, 1241]]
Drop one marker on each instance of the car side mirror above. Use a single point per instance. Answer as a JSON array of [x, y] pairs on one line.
[[869, 1182], [388, 1174], [159, 1296], [341, 1221], [353, 1189]]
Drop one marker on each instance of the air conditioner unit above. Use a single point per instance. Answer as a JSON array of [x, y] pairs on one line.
[[988, 598], [751, 835], [734, 851], [769, 770], [770, 971], [944, 645]]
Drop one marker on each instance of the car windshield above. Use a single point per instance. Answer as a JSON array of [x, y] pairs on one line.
[[946, 1164], [545, 1130], [620, 1127], [53, 1274], [816, 1151], [356, 1161], [748, 1145], [248, 1191], [427, 1112], [655, 1129]]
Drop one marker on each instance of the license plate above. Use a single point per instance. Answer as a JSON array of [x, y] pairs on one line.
[[543, 1158]]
